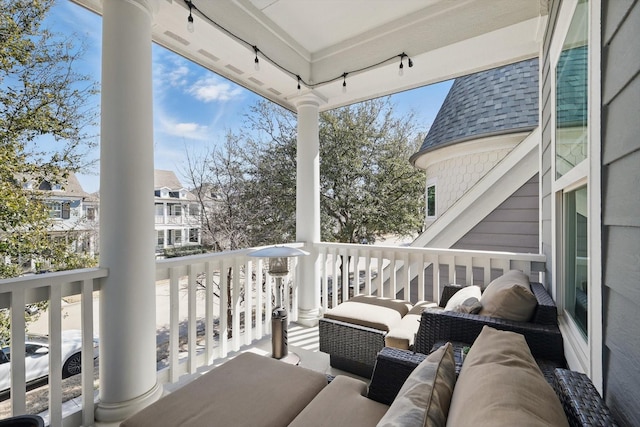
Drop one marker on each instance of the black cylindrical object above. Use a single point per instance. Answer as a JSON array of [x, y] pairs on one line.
[[279, 347]]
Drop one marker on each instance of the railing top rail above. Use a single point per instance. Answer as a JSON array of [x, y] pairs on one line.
[[437, 251], [54, 278], [167, 263]]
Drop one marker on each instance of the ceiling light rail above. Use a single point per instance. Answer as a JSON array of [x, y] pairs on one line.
[[258, 52]]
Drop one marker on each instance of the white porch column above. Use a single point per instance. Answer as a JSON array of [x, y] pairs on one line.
[[128, 378], [308, 207]]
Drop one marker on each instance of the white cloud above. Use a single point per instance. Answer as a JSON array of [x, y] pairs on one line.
[[210, 89], [185, 130]]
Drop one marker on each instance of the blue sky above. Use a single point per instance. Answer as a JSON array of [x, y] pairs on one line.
[[193, 107]]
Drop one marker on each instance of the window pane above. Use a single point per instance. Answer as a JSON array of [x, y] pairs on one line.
[[571, 94], [575, 256], [431, 201]]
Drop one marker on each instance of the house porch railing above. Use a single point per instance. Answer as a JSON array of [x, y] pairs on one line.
[[229, 299]]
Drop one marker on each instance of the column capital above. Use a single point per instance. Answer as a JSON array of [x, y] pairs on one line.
[[149, 6], [310, 99]]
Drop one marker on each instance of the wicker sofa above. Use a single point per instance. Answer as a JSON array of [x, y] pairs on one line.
[[253, 390], [541, 331], [353, 345]]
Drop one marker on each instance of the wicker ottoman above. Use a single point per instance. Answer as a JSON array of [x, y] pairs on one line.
[[353, 332]]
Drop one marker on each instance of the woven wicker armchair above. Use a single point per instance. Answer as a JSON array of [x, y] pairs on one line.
[[580, 400], [541, 332]]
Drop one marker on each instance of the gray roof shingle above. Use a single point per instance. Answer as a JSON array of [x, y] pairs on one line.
[[490, 102]]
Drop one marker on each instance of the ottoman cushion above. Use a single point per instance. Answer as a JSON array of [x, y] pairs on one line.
[[249, 390]]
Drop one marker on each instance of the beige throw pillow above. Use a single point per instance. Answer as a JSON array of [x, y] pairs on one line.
[[500, 385], [509, 297], [425, 396]]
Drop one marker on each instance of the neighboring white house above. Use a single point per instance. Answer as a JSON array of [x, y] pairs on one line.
[[74, 214], [177, 213]]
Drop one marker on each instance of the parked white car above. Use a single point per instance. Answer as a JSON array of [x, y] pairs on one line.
[[37, 357]]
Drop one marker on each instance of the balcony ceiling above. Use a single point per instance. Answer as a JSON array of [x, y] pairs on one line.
[[322, 39]]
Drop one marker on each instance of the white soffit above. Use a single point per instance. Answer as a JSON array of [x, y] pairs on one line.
[[322, 39]]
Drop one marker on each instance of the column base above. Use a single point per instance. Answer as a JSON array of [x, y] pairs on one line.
[[107, 413], [308, 317]]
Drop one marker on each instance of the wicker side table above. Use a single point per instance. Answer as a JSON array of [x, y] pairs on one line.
[[391, 370]]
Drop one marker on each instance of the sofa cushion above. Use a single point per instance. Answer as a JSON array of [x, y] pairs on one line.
[[276, 391], [401, 306], [500, 384], [509, 297], [466, 296], [341, 403], [402, 334], [425, 396], [370, 311]]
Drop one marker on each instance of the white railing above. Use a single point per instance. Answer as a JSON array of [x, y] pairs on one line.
[[16, 294], [236, 311], [224, 311], [413, 273]]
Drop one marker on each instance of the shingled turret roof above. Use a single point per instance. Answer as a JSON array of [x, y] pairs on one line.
[[497, 101]]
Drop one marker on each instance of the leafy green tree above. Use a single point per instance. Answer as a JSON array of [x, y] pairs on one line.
[[368, 187], [45, 108]]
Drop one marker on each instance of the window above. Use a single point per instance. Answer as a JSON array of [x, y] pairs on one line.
[[91, 213], [159, 209], [194, 209], [571, 146], [576, 264], [160, 240], [575, 182], [431, 200], [194, 235], [174, 194], [572, 94], [66, 210], [55, 210], [175, 210], [175, 237]]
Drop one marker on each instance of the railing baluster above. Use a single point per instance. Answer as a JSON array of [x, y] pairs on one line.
[[379, 281], [436, 278], [393, 268], [55, 355], [269, 302], [208, 315], [235, 314], [259, 298], [334, 281], [86, 312], [192, 333], [344, 267], [324, 290], [420, 271], [174, 324], [18, 386], [224, 304], [248, 302], [405, 276], [367, 273]]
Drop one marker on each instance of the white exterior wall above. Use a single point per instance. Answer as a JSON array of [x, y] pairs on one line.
[[457, 168]]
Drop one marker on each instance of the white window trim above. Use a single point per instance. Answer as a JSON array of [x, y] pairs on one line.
[[581, 355]]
